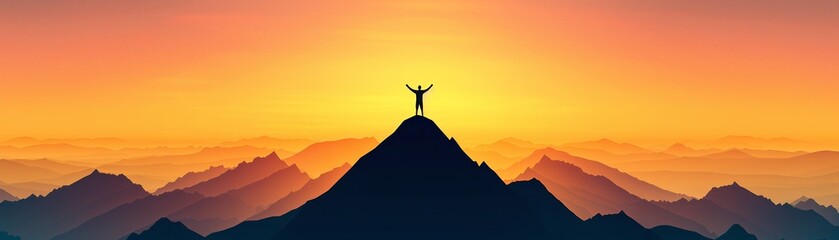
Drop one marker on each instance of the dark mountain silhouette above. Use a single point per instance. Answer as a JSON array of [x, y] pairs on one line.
[[213, 213], [736, 232], [68, 206], [632, 184], [255, 230], [251, 199], [191, 178], [673, 233], [416, 184], [614, 226], [733, 204], [245, 173], [131, 217], [6, 196], [321, 157], [586, 194], [553, 214], [828, 212], [164, 229], [709, 214], [309, 191], [7, 236]]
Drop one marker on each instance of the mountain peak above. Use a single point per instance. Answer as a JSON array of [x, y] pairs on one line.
[[97, 176], [802, 199], [417, 181], [416, 148], [679, 148], [417, 127], [545, 158], [166, 229], [737, 232], [735, 194]]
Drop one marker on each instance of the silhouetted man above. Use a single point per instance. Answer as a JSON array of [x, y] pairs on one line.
[[419, 92]]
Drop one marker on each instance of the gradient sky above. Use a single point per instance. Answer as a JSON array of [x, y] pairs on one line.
[[541, 70]]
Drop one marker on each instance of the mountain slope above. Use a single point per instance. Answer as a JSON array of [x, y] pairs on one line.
[[634, 185], [307, 192], [614, 226], [828, 212], [728, 205], [417, 184], [237, 205], [673, 233], [165, 229], [131, 217], [191, 178], [245, 173], [554, 215], [736, 232], [68, 206], [597, 194], [6, 196]]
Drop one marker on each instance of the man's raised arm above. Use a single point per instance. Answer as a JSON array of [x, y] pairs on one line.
[[429, 87], [409, 87]]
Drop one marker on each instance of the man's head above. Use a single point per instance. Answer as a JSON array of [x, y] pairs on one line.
[[419, 87]]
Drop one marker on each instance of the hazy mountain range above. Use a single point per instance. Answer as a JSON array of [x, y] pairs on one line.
[[418, 181]]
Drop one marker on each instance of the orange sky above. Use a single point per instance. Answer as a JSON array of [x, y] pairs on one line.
[[541, 70]]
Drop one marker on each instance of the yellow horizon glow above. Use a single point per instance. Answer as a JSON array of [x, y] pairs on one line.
[[547, 71]]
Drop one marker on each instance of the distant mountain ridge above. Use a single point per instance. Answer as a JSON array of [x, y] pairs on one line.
[[828, 212], [130, 217], [68, 206], [630, 183], [589, 195], [245, 173], [191, 179], [732, 204]]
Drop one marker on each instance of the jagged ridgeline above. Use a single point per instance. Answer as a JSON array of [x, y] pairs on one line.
[[419, 184]]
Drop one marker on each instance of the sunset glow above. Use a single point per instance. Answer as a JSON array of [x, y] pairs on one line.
[[543, 70]]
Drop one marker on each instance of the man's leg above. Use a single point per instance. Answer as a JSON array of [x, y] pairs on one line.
[[416, 109], [421, 110]]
